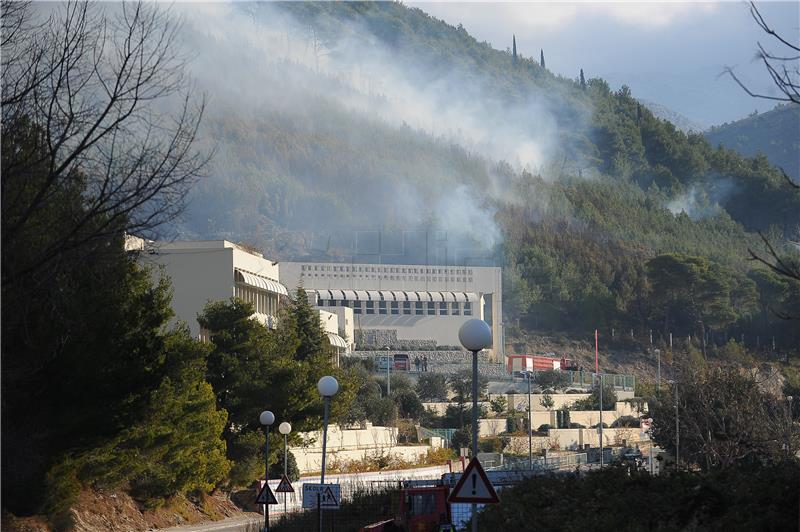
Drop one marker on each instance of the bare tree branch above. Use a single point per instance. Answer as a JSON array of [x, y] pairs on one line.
[[102, 93], [785, 77]]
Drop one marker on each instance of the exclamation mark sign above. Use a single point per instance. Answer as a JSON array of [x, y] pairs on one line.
[[474, 481]]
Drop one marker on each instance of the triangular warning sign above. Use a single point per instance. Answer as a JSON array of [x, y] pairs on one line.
[[328, 499], [265, 496], [474, 486], [285, 486]]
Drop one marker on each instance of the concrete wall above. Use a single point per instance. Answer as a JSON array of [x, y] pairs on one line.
[[519, 402], [355, 444], [574, 439], [346, 322], [370, 437], [329, 321], [441, 408], [443, 330], [202, 271], [491, 427], [198, 276], [311, 462]]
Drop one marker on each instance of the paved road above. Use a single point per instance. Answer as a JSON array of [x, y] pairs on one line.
[[294, 501]]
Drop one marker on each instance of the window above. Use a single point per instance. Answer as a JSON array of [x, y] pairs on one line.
[[467, 309], [455, 309], [431, 308], [394, 307], [381, 307], [407, 307], [442, 309], [418, 308], [370, 307], [356, 307]]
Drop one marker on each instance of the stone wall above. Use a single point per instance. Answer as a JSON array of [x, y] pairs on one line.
[[446, 362]]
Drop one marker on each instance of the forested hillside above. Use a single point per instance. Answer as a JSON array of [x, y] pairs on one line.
[[377, 117], [775, 134]]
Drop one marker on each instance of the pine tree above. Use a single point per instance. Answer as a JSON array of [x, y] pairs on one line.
[[583, 80], [514, 48], [541, 55]]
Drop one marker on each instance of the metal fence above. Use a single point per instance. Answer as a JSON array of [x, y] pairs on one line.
[[372, 501], [362, 503], [584, 379]]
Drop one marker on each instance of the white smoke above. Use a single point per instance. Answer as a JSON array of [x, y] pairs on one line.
[[257, 60]]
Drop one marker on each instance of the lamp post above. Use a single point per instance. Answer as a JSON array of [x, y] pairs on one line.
[[327, 387], [285, 428], [388, 374], [677, 426], [475, 335], [601, 422], [266, 418], [530, 423]]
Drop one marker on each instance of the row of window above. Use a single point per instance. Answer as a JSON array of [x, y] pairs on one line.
[[392, 277], [264, 302], [385, 269], [406, 308]]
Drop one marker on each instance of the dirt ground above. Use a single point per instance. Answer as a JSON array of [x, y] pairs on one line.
[[99, 510]]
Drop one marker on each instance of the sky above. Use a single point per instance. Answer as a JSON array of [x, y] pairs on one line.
[[671, 53]]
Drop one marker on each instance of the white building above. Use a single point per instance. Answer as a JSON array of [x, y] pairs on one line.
[[404, 303], [213, 270]]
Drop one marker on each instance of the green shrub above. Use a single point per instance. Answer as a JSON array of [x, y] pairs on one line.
[[276, 469]]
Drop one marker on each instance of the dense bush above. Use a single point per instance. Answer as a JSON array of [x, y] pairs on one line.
[[747, 498]]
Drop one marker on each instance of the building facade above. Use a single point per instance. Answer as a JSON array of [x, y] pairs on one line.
[[401, 304], [213, 270]]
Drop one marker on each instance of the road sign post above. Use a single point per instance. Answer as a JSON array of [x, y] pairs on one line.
[[474, 486], [322, 496], [285, 486], [265, 496]]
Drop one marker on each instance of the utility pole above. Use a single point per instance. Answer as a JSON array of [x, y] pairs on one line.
[[677, 429], [658, 371]]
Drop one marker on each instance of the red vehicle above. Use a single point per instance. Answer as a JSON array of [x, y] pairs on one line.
[[422, 509], [519, 363]]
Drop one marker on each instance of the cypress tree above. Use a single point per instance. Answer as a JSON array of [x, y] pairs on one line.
[[583, 80], [514, 48], [541, 52]]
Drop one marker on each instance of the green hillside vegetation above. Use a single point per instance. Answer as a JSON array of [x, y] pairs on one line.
[[775, 134], [576, 235]]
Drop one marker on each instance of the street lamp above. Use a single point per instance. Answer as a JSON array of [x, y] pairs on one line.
[[285, 428], [530, 422], [266, 418], [388, 374], [602, 458], [790, 421], [677, 426], [475, 335], [327, 387]]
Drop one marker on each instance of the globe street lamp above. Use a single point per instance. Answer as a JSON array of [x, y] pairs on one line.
[[327, 387], [475, 335], [285, 428], [266, 418]]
